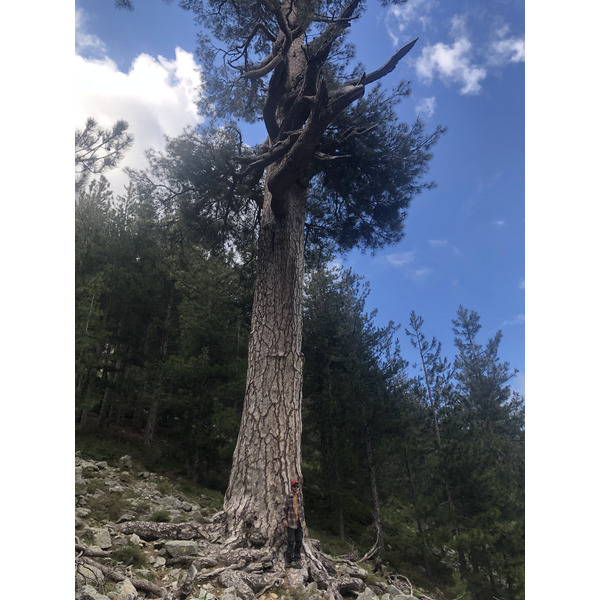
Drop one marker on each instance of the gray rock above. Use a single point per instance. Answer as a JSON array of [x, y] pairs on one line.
[[79, 475], [351, 585], [123, 589], [229, 594], [367, 595], [125, 461], [178, 548], [126, 517], [352, 571], [87, 592], [102, 465], [101, 538], [172, 502], [87, 575]]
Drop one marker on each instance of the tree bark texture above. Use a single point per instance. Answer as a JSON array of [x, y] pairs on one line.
[[267, 456]]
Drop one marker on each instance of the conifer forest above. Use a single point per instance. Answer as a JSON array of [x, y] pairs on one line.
[[163, 306]]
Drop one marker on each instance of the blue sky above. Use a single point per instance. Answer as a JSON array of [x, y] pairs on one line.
[[465, 240]]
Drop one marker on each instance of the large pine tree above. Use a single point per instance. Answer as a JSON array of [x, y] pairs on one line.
[[338, 167]]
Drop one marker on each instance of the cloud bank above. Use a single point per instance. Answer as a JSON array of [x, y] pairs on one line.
[[157, 96]]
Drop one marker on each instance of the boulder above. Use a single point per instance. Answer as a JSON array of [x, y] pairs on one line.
[[351, 585], [178, 548], [101, 538], [87, 592], [88, 574], [367, 595], [160, 561], [123, 589]]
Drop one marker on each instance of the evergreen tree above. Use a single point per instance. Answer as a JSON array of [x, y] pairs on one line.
[[436, 373], [348, 374], [484, 463], [286, 64], [98, 149]]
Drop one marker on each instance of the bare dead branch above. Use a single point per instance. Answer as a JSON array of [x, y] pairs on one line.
[[390, 65]]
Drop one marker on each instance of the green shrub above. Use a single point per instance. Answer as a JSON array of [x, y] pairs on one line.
[[129, 555], [160, 516], [107, 507], [164, 486]]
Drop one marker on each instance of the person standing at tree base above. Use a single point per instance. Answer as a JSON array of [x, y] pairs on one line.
[[293, 515]]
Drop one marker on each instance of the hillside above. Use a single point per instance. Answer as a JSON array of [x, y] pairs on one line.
[[112, 499]]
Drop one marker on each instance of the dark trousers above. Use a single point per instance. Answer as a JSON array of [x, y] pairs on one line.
[[294, 543]]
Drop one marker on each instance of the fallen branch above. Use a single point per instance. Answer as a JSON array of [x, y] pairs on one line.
[[139, 584], [149, 530], [396, 575]]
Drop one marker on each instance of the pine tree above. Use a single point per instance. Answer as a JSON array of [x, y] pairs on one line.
[[484, 463]]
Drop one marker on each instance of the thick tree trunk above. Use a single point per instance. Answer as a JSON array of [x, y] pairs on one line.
[[267, 455]]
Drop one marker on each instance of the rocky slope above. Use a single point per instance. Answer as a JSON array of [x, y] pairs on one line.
[[113, 563]]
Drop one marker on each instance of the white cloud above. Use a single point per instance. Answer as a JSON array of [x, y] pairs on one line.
[[504, 50], [465, 63], [399, 16], [86, 42], [444, 244], [499, 223], [421, 274], [404, 261], [522, 283], [518, 320], [401, 259], [426, 107], [453, 64], [157, 97]]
